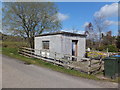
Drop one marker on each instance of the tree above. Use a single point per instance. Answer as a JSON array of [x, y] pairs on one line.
[[108, 39], [118, 42], [29, 19], [91, 36], [100, 26], [118, 32], [89, 31]]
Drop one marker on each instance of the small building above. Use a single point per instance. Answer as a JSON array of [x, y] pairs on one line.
[[61, 43]]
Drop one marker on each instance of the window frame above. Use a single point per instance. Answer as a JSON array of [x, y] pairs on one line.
[[46, 47]]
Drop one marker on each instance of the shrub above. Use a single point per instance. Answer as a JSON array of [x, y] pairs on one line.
[[101, 48], [4, 45], [112, 48]]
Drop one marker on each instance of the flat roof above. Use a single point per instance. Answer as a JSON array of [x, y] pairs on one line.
[[63, 33]]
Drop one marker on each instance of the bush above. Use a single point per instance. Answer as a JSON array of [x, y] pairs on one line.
[[101, 48], [112, 48], [4, 45]]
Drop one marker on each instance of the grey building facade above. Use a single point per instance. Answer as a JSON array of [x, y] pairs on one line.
[[63, 43]]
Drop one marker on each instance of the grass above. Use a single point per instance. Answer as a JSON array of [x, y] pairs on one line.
[[12, 52], [10, 44]]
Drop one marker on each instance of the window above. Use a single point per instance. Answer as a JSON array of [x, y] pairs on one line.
[[45, 44]]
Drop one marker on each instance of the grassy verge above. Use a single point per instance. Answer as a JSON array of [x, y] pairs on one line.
[[12, 52]]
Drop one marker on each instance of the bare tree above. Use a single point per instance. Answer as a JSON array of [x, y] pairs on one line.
[[100, 26], [89, 31], [29, 19]]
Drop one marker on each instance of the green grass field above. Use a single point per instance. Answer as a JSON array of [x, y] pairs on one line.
[[13, 44]]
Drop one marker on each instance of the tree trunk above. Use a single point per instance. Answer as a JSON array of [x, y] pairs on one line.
[[31, 42], [100, 39], [99, 43]]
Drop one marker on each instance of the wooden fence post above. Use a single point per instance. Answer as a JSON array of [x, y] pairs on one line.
[[89, 66], [45, 54], [55, 58], [31, 53], [40, 53], [68, 60], [100, 63], [19, 50]]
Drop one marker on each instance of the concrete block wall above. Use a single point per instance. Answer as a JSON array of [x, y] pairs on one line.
[[54, 44], [67, 45], [61, 44]]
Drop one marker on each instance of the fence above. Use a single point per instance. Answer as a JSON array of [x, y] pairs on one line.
[[84, 65]]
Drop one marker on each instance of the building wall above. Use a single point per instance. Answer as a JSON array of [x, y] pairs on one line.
[[54, 44], [61, 44], [67, 45], [81, 47]]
